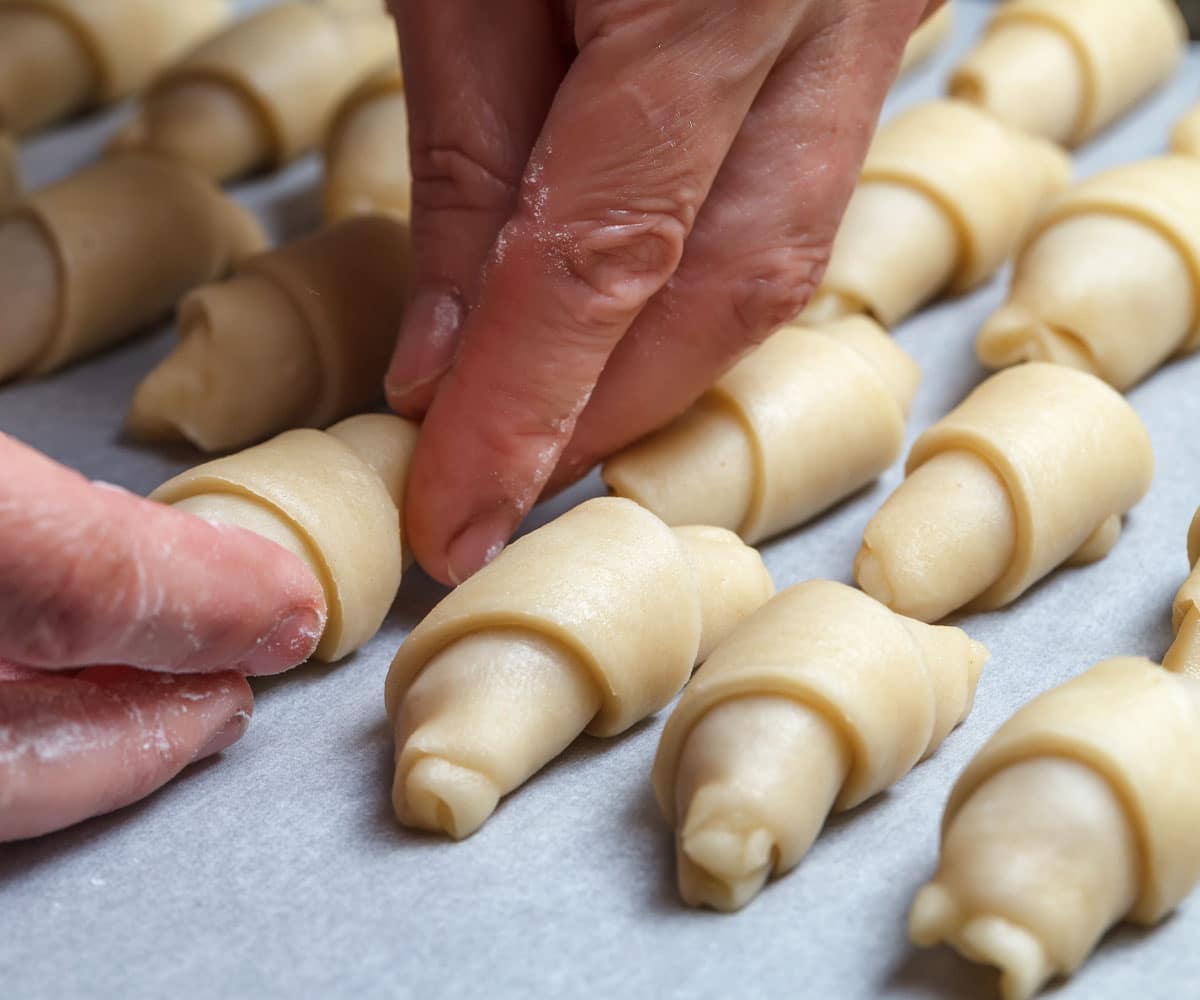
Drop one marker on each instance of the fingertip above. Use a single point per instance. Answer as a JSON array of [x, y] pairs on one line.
[[425, 349]]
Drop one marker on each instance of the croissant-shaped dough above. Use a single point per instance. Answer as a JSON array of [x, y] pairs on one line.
[[1081, 811], [83, 263], [928, 38], [593, 622], [943, 200], [1065, 69], [58, 57], [263, 91], [1185, 137], [1034, 468], [333, 498], [805, 420], [297, 338], [10, 174], [818, 701], [366, 156], [1184, 654], [1108, 281]]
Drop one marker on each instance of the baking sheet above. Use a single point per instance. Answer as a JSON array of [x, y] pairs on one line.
[[278, 871]]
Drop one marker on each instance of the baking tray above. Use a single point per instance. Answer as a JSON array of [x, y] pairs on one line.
[[277, 869]]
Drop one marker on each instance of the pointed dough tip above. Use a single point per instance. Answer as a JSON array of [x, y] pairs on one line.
[[1023, 963], [933, 917], [444, 797]]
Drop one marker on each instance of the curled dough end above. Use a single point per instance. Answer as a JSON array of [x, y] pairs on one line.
[[444, 797]]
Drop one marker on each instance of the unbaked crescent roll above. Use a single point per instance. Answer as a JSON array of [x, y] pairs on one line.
[[263, 91], [945, 196], [88, 261], [1185, 137], [1184, 654], [366, 155], [818, 701], [1108, 281], [58, 57], [593, 622], [333, 498], [928, 38], [1034, 469], [802, 422], [1065, 69], [299, 337], [10, 173], [1080, 812]]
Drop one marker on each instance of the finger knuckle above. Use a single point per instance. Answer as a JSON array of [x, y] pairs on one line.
[[772, 286], [454, 177]]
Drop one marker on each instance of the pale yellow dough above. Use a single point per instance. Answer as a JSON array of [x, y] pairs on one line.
[[1081, 811], [802, 422], [333, 498], [58, 57], [1184, 654], [818, 701], [1185, 137], [593, 622], [263, 91], [928, 38], [1108, 280], [1065, 69], [1034, 469], [84, 264], [944, 198], [366, 155], [298, 337], [10, 173]]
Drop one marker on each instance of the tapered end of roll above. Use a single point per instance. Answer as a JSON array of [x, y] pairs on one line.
[[1185, 137], [698, 470], [935, 917], [1184, 655], [872, 576], [721, 864], [444, 797], [202, 123], [828, 306], [731, 579], [1015, 334], [386, 443], [30, 295]]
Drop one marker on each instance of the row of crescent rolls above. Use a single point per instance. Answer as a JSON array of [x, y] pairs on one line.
[[1066, 69], [803, 421], [60, 57], [299, 336], [820, 700], [265, 90], [66, 294], [1080, 812], [590, 623], [333, 498], [1108, 278], [945, 195]]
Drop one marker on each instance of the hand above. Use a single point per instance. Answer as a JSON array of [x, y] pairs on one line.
[[613, 201], [92, 575]]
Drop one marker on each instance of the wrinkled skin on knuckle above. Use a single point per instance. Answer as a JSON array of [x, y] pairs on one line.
[[453, 178], [773, 285]]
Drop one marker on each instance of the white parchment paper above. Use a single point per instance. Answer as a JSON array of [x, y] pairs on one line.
[[278, 871]]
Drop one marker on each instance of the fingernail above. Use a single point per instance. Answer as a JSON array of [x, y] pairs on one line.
[[291, 642], [428, 339], [227, 735], [477, 545]]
